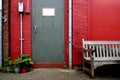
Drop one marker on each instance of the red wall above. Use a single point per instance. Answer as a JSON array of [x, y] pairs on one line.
[[92, 19], [80, 28], [96, 20], [15, 29], [27, 32], [105, 19]]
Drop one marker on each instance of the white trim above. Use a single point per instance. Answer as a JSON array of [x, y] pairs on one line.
[[70, 34], [0, 4]]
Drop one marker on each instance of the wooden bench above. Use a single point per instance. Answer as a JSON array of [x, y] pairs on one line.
[[99, 53]]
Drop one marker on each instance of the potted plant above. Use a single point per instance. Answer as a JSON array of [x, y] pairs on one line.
[[1, 69], [7, 64], [26, 62], [17, 64]]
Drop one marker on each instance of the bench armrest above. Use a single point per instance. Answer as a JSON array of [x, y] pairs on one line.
[[90, 51], [85, 50]]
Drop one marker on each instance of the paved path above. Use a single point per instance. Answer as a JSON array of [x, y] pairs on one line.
[[53, 74]]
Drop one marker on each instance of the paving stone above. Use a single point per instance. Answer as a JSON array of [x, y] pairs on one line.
[[53, 74]]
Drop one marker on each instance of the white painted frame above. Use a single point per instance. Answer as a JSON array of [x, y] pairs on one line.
[[0, 33]]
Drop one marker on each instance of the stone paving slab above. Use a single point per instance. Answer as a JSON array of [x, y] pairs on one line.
[[53, 74]]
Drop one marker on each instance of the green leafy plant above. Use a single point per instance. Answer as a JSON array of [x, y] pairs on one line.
[[26, 61], [17, 62], [7, 62]]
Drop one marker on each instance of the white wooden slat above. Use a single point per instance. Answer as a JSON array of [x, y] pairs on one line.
[[116, 50], [100, 49], [103, 48], [102, 42], [107, 59], [87, 47], [97, 51], [110, 52], [107, 54], [113, 49], [93, 49], [83, 46], [84, 53], [83, 43]]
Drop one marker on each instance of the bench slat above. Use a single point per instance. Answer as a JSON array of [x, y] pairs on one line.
[[87, 47], [110, 52], [113, 50], [104, 59], [100, 49], [116, 50], [102, 42], [103, 48], [94, 49], [107, 54], [97, 52]]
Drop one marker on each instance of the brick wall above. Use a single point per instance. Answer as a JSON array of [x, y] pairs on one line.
[[27, 31], [5, 28], [15, 29], [80, 28]]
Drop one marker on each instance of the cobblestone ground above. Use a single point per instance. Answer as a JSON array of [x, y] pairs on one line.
[[53, 74]]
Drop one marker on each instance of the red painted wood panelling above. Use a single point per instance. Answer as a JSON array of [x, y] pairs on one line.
[[105, 19], [80, 28], [15, 29]]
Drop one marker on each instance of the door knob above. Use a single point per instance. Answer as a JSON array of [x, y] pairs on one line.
[[35, 29]]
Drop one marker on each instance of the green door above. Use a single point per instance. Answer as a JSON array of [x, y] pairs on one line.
[[48, 30]]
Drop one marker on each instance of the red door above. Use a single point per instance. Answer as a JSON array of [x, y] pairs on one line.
[[105, 19]]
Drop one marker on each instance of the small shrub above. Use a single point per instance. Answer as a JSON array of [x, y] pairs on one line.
[[65, 67]]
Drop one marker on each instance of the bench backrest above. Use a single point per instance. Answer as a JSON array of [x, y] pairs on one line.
[[102, 48]]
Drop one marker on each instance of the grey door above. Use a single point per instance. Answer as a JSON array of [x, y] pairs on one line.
[[48, 30]]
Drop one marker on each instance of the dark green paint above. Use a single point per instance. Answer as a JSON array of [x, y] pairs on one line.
[[48, 38]]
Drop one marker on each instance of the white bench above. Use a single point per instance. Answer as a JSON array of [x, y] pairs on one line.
[[99, 53]]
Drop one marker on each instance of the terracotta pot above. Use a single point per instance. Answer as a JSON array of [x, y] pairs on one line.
[[24, 70]]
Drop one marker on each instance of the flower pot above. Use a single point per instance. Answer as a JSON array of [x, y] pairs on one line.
[[7, 69], [17, 70], [24, 70]]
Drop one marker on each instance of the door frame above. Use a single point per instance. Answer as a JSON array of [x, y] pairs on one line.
[[59, 64]]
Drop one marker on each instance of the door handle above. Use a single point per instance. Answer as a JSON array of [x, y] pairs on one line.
[[35, 29]]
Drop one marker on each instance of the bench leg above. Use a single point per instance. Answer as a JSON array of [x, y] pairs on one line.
[[83, 66], [92, 72], [92, 67]]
